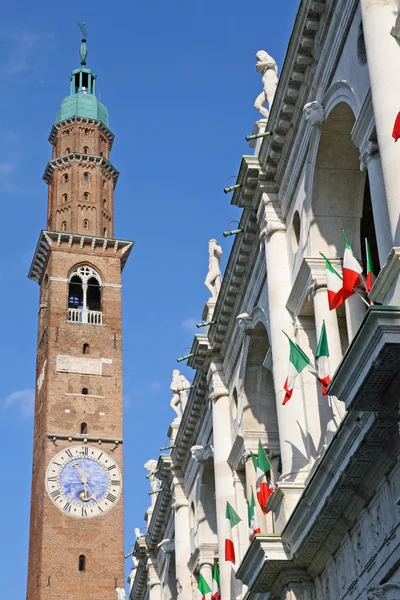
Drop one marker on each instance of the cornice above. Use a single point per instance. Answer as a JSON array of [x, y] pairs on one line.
[[237, 272], [88, 158], [250, 172], [190, 423], [53, 239], [57, 126], [265, 557], [159, 518], [200, 349], [139, 586]]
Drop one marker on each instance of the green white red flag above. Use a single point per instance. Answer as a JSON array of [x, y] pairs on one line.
[[322, 360], [264, 485], [370, 269], [396, 128], [298, 360], [216, 585], [254, 526], [203, 589], [334, 285], [232, 519], [352, 270]]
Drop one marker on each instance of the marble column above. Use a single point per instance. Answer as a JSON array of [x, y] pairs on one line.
[[383, 57], [154, 582], [182, 541], [355, 312], [224, 485], [292, 431], [371, 160]]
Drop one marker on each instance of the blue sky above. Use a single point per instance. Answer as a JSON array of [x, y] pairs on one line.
[[179, 82]]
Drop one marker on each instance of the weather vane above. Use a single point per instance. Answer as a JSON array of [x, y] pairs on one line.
[[82, 28], [83, 49]]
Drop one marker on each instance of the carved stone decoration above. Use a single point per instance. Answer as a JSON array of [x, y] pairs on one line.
[[376, 593], [269, 69], [314, 113], [202, 453], [167, 546], [121, 595], [395, 31], [179, 386], [138, 533], [213, 279], [151, 466], [245, 323]]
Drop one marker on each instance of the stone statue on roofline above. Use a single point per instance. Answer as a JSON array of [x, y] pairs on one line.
[[151, 468], [213, 279], [269, 69], [179, 386]]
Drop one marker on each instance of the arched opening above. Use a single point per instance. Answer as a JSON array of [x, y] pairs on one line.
[[75, 294], [86, 349], [206, 510], [104, 203], [105, 233], [65, 197], [85, 224], [93, 294], [84, 297], [104, 183], [86, 177], [64, 226], [85, 150], [65, 178], [67, 150], [85, 391], [82, 563], [86, 131], [86, 196], [84, 428], [101, 154]]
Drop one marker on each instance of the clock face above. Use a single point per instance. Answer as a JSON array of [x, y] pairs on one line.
[[83, 481]]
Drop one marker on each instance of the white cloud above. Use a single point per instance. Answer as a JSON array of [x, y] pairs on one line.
[[6, 168], [154, 386], [23, 400], [189, 324]]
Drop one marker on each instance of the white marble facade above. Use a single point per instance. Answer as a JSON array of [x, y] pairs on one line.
[[333, 529]]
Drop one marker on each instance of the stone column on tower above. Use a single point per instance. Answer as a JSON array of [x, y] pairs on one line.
[[182, 541]]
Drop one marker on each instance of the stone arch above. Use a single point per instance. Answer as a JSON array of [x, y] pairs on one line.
[[206, 517]]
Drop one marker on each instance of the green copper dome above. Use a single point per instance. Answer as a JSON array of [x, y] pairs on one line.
[[82, 101]]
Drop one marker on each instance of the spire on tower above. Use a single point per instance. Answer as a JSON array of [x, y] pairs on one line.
[[83, 49]]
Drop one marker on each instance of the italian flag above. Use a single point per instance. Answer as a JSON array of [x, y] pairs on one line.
[[232, 519], [264, 485], [334, 285], [203, 588], [396, 128], [370, 269], [298, 360], [216, 586], [322, 360], [351, 270], [254, 527]]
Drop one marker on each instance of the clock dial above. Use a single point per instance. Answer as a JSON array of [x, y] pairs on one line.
[[83, 481]]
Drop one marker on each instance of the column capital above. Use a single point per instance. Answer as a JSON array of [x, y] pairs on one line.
[[368, 152], [269, 216], [180, 500], [216, 381]]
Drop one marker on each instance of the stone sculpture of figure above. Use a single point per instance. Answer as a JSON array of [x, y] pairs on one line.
[[179, 385], [213, 279], [314, 113], [121, 595], [138, 533], [269, 69], [151, 468]]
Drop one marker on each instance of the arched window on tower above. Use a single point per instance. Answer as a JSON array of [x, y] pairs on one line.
[[104, 203], [64, 197], [86, 196], [67, 150], [85, 150], [84, 428], [105, 233], [86, 177], [65, 178], [104, 183], [86, 348], [64, 226], [86, 131], [85, 224], [84, 298], [82, 563]]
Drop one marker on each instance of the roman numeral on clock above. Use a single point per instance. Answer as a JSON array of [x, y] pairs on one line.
[[115, 482], [68, 451], [84, 511], [111, 497], [52, 479], [55, 494], [67, 507]]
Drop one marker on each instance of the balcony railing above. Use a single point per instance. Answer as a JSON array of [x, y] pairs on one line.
[[83, 315]]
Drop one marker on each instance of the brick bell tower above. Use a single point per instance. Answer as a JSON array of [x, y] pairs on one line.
[[76, 529]]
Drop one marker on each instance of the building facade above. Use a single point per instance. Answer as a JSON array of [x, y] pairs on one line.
[[76, 531], [330, 162]]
